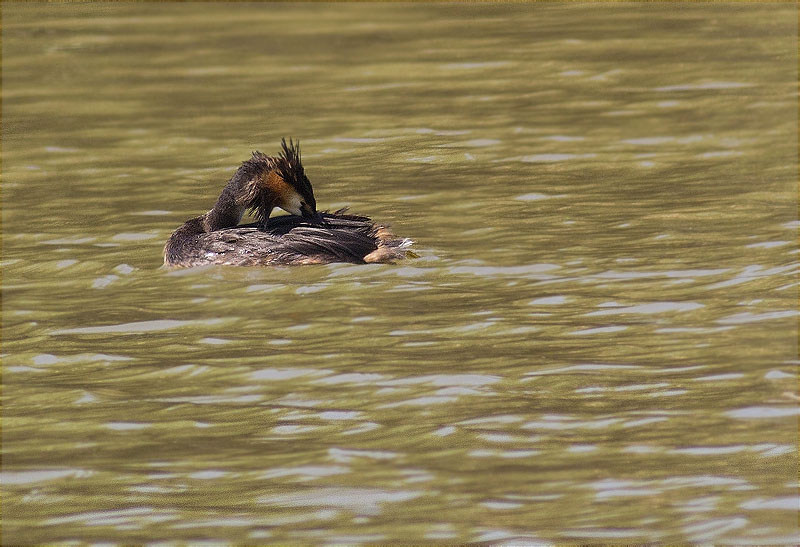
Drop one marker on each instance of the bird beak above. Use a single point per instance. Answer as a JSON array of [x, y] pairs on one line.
[[309, 213]]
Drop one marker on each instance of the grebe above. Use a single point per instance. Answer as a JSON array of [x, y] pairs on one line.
[[306, 236]]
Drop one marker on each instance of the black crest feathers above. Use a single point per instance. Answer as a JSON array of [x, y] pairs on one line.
[[290, 168]]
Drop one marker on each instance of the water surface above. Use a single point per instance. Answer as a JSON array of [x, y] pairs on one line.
[[597, 343]]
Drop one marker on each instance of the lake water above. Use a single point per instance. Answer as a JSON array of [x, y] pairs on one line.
[[598, 342]]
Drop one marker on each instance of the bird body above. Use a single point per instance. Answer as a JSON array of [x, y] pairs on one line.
[[303, 237]]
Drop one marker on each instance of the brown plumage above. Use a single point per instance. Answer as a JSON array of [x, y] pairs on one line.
[[304, 237]]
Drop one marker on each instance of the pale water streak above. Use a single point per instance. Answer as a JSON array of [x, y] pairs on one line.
[[597, 343]]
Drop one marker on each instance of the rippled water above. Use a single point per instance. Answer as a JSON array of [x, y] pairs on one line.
[[598, 342]]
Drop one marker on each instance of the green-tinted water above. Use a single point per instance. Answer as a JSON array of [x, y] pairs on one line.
[[598, 343]]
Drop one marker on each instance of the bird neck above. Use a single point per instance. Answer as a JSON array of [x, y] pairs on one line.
[[226, 213]]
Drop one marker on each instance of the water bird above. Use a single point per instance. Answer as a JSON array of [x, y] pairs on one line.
[[305, 236]]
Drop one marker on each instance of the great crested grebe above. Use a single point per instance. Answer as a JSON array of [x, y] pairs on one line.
[[306, 236]]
